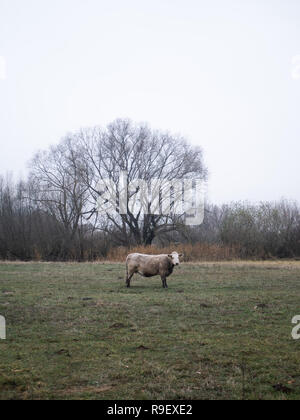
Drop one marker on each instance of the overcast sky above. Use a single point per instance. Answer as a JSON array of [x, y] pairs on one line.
[[223, 73]]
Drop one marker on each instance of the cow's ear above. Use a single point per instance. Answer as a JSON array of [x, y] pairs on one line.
[[181, 255]]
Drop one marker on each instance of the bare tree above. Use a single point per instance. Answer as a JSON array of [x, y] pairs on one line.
[[59, 191], [142, 154]]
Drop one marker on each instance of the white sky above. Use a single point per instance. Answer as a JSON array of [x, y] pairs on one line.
[[219, 72]]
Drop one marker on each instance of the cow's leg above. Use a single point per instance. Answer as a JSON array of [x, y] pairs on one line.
[[128, 280], [164, 282]]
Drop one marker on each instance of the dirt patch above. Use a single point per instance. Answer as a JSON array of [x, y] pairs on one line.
[[86, 389], [260, 306], [205, 305], [63, 352], [143, 348], [117, 325], [282, 388]]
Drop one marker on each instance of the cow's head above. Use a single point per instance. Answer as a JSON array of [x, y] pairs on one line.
[[175, 258]]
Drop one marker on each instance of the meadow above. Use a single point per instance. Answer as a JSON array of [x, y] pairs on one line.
[[221, 331]]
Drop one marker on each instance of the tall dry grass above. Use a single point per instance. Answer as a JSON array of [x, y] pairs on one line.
[[192, 253]]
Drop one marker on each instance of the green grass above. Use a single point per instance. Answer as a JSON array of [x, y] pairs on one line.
[[75, 332]]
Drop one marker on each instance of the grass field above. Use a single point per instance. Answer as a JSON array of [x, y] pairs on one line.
[[75, 332]]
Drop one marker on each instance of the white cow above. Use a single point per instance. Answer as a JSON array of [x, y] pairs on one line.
[[151, 265]]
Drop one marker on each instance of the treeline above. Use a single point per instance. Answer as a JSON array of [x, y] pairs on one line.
[[54, 214], [30, 229]]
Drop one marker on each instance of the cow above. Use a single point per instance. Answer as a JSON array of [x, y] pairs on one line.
[[151, 265]]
